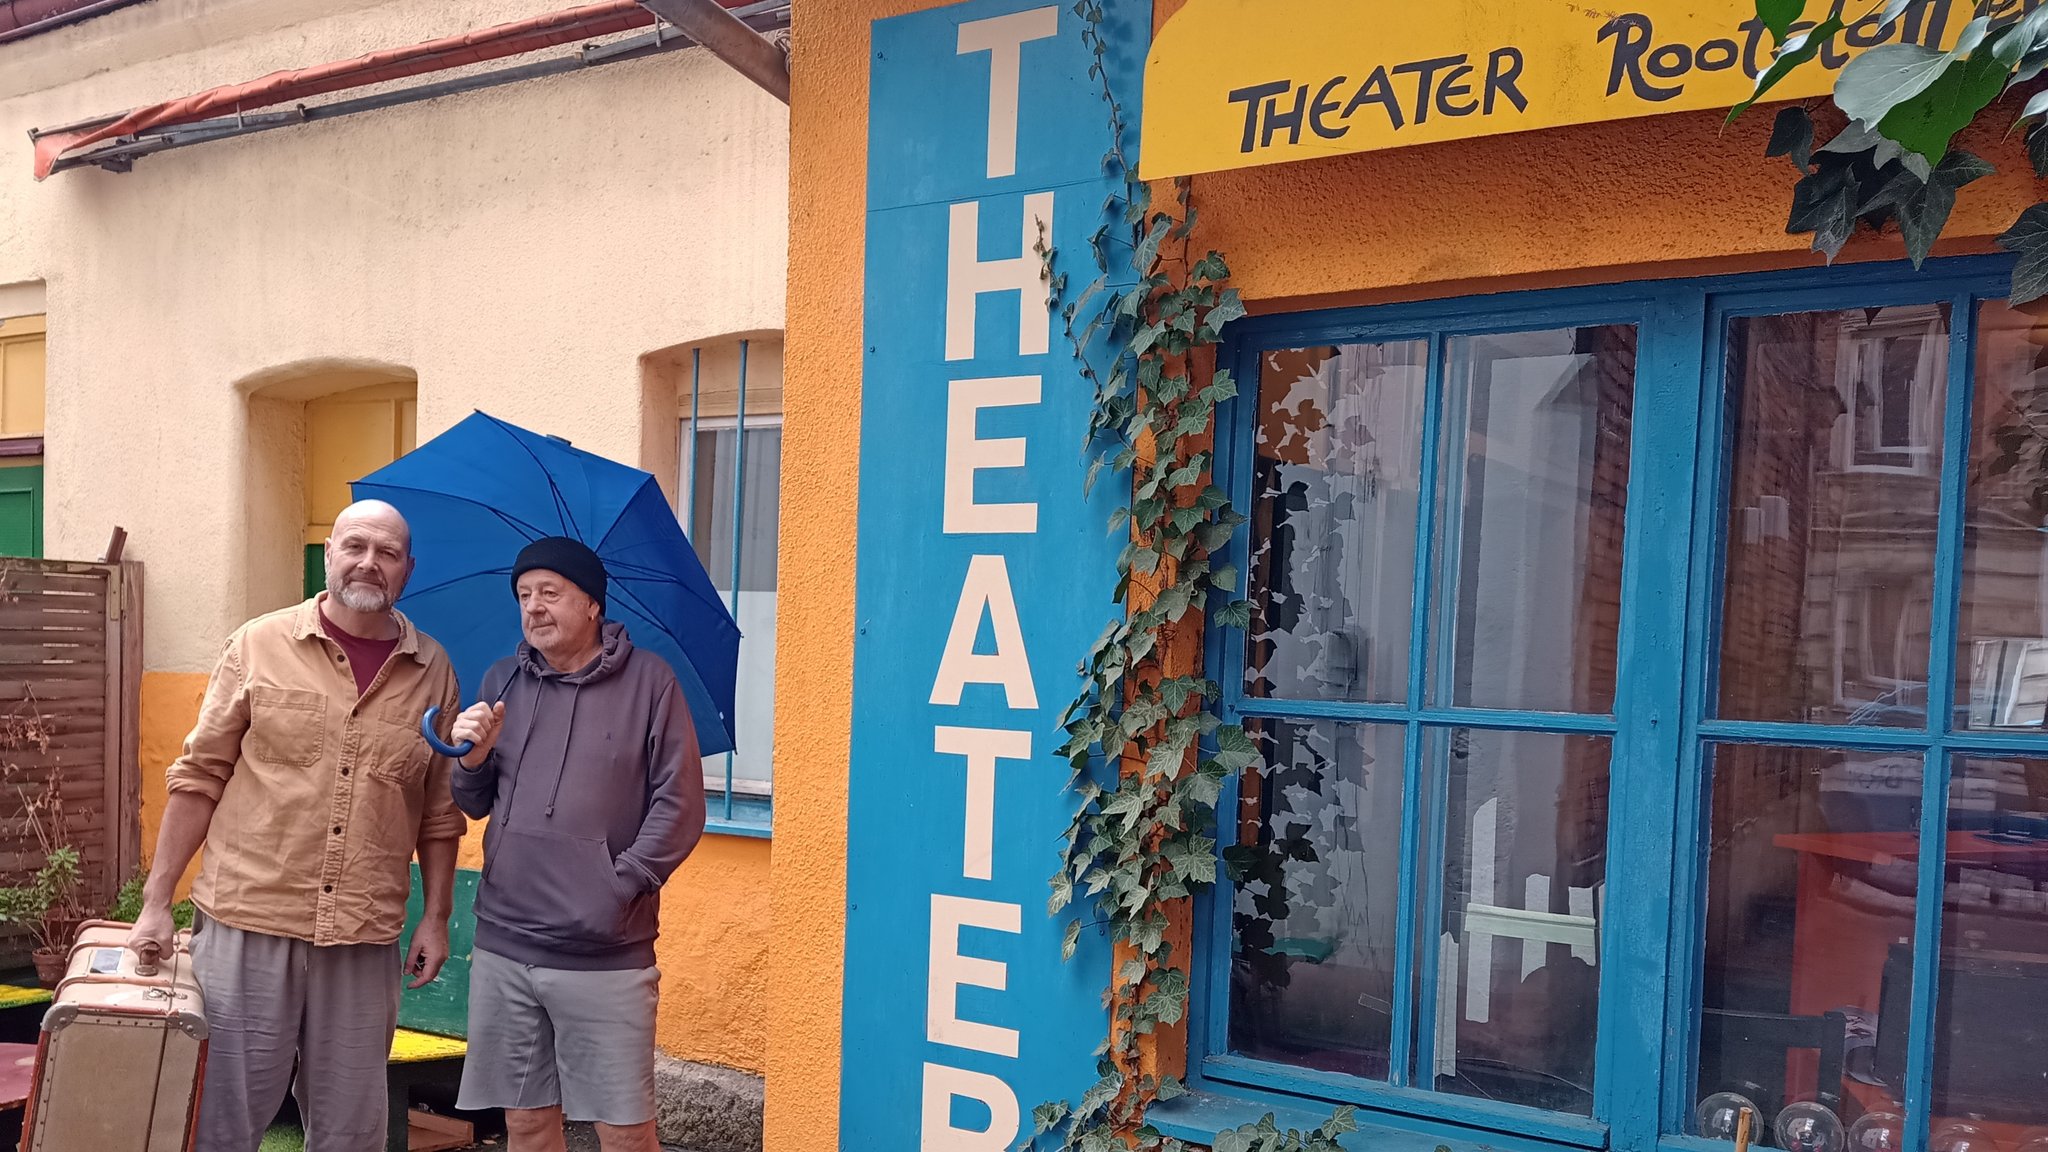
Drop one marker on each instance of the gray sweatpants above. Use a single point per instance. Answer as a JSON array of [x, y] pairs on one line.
[[271, 1000]]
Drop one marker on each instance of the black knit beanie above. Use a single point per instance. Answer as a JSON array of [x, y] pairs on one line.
[[571, 559]]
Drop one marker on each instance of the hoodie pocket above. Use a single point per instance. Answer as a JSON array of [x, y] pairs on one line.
[[555, 885]]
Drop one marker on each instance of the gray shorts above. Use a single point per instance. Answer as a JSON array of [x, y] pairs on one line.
[[539, 1037]]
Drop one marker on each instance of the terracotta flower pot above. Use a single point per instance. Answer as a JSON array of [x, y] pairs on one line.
[[49, 966]]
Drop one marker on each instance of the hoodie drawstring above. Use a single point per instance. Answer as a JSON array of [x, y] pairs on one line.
[[575, 695]]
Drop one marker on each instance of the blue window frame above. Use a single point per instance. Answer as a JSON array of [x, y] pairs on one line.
[[1502, 444]]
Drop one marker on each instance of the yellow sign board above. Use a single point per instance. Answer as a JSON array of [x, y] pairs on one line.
[[1239, 83]]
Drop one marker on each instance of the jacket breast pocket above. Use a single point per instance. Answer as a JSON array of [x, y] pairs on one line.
[[287, 727], [395, 753]]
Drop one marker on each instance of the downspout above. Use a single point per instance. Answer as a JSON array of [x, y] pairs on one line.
[[748, 52]]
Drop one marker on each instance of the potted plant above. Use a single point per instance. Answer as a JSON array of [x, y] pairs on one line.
[[47, 907]]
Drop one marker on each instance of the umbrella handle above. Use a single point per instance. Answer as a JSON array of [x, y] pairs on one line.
[[434, 741]]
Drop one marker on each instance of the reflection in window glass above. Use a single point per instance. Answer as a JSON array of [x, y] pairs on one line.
[[1833, 500], [2002, 657], [1525, 867], [1317, 869], [1811, 867], [1338, 465], [1535, 484], [1991, 1000]]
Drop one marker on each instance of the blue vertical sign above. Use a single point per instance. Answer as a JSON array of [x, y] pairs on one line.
[[983, 574]]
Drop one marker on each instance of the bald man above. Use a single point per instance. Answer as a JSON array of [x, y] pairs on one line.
[[308, 783]]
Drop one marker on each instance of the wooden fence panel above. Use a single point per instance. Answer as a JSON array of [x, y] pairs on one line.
[[70, 690]]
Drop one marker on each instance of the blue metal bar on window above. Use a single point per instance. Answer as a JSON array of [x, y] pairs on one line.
[[1400, 1063], [1461, 717], [739, 520], [1449, 404], [690, 484], [1941, 682]]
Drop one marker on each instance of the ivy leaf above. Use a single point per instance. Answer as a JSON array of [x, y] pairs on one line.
[[1230, 307], [2028, 237], [1795, 50], [1779, 16], [1070, 940], [1792, 136], [2037, 149], [1926, 123], [1824, 204], [1234, 749], [1924, 212]]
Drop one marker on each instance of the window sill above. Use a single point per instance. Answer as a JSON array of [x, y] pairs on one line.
[[1198, 1116], [749, 816]]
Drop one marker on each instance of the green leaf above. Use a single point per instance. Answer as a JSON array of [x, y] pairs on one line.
[[1229, 308], [1926, 123], [1779, 16], [1888, 75], [1236, 614], [2037, 149], [1925, 212], [1792, 136], [2028, 238], [1796, 50], [2037, 105], [1824, 204], [1070, 940]]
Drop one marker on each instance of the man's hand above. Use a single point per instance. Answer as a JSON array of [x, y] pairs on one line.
[[427, 951], [479, 723], [154, 930]]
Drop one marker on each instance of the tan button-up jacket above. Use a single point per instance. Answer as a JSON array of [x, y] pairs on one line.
[[322, 797]]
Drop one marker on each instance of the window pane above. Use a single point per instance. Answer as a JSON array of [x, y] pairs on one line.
[[1525, 867], [1991, 1001], [1337, 468], [2002, 659], [1809, 927], [1318, 871], [711, 462], [711, 520], [1535, 483], [1836, 426]]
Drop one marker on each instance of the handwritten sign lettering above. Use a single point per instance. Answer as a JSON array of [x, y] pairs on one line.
[[1238, 83]]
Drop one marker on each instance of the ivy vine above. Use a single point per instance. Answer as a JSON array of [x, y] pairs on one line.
[[1148, 751]]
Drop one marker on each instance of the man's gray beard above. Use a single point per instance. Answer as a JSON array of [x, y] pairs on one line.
[[360, 598]]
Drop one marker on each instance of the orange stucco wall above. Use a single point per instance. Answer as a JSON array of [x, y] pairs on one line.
[[715, 911], [1656, 197]]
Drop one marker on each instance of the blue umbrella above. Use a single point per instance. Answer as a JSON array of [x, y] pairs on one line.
[[479, 492]]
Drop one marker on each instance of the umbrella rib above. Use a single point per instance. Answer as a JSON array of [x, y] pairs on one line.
[[555, 490], [532, 531], [454, 580]]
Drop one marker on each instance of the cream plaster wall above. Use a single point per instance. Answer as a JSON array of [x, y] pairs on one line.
[[518, 248]]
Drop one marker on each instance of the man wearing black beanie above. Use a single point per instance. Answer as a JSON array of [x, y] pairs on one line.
[[587, 766]]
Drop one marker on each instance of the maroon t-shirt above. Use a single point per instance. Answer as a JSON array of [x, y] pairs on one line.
[[365, 657]]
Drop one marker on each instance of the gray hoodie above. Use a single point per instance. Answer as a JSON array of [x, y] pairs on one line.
[[595, 795]]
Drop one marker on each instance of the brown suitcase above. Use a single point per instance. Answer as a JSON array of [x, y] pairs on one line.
[[122, 1051]]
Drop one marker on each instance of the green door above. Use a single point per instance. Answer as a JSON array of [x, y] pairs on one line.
[[21, 511]]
